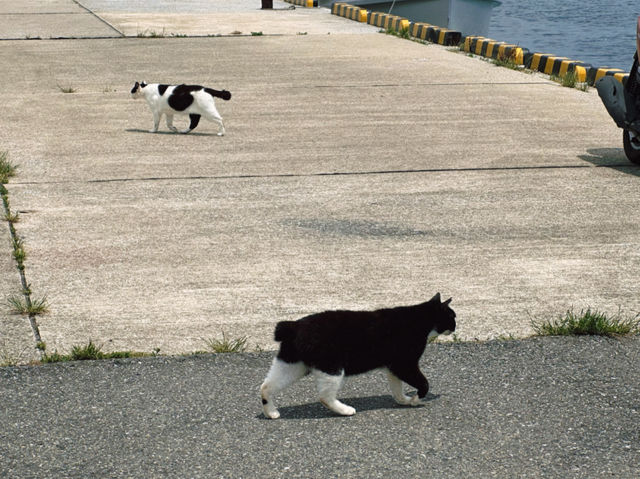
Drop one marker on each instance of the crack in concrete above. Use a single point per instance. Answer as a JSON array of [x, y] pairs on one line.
[[26, 291], [626, 166], [99, 18]]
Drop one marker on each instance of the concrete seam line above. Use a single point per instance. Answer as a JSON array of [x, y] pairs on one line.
[[99, 18], [15, 239], [335, 174]]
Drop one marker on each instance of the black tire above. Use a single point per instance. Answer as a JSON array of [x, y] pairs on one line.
[[631, 146]]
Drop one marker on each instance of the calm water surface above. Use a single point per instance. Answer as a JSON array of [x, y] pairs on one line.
[[598, 32]]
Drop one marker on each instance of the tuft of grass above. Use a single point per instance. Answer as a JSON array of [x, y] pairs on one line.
[[404, 33], [507, 61], [19, 305], [66, 89], [256, 34], [154, 34], [55, 358], [89, 352], [12, 217], [7, 169], [226, 345], [570, 80], [19, 254], [151, 33], [589, 322]]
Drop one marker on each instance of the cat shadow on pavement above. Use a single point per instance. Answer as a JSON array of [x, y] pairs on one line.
[[167, 132], [316, 410]]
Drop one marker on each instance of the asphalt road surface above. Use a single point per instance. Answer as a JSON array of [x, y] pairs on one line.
[[535, 408]]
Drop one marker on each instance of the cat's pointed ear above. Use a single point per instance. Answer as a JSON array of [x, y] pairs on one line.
[[436, 299], [447, 302]]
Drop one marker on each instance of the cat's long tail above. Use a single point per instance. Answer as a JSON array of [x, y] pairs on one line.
[[285, 330], [224, 94]]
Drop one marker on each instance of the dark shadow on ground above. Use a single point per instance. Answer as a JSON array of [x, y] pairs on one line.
[[613, 158], [318, 411], [167, 132]]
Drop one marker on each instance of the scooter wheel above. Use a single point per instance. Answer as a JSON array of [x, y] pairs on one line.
[[631, 144]]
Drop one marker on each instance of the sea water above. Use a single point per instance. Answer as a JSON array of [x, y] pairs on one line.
[[599, 32]]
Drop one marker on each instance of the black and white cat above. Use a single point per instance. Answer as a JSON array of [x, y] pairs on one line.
[[192, 100], [334, 344]]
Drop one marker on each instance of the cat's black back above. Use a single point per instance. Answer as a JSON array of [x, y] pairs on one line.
[[359, 341], [181, 98]]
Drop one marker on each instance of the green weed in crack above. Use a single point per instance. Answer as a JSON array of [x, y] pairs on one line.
[[34, 307], [7, 170], [225, 345], [90, 352], [589, 322], [26, 306]]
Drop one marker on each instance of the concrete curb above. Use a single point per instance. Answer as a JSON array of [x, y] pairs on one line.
[[431, 33], [490, 48], [386, 21], [486, 47], [552, 65], [349, 11], [594, 74], [304, 3]]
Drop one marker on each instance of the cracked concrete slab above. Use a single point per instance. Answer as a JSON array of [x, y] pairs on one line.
[[40, 7], [50, 19], [357, 171], [236, 17]]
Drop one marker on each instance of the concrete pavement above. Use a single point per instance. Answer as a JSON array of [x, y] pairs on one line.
[[359, 170]]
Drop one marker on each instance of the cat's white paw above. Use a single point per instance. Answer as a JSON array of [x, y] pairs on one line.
[[348, 411], [221, 133], [338, 407], [153, 130], [403, 399], [408, 400], [173, 129], [274, 414]]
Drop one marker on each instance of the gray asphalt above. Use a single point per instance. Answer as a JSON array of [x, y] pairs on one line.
[[544, 407]]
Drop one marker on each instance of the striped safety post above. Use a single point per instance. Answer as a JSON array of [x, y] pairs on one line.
[[349, 11], [434, 34], [496, 50], [304, 3], [560, 66], [594, 74], [388, 22]]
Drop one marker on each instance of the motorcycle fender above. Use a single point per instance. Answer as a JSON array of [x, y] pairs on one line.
[[612, 94]]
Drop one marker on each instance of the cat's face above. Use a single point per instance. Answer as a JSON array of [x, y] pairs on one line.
[[136, 91], [445, 316]]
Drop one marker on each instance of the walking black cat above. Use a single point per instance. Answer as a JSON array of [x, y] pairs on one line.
[[334, 344]]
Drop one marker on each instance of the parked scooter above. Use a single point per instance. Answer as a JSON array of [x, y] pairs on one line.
[[623, 104]]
